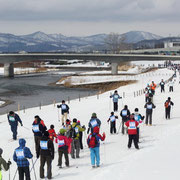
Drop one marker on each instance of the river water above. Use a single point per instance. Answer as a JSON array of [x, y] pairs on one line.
[[33, 90]]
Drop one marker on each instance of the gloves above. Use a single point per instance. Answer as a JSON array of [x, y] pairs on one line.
[[88, 130], [9, 163], [84, 127], [104, 135], [58, 106], [21, 124], [143, 118]]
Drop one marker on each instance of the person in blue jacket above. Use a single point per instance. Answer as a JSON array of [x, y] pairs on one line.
[[115, 97], [13, 120], [21, 154], [94, 121]]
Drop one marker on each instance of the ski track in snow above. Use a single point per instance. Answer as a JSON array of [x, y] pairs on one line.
[[157, 158]]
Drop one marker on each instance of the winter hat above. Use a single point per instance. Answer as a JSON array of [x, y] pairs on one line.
[[1, 151], [78, 122], [125, 107], [74, 120], [169, 98], [68, 121], [112, 113], [149, 100], [94, 115], [115, 91], [11, 113], [96, 130], [136, 110], [63, 101], [46, 134], [22, 142], [52, 126], [62, 131]]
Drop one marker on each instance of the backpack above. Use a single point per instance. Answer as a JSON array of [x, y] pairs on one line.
[[74, 131], [166, 104], [93, 141]]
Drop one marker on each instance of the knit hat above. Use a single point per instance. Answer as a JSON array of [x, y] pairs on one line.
[[136, 110], [62, 131], [75, 120], [1, 151], [94, 115]]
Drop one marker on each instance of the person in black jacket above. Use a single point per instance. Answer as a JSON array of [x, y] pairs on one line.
[[64, 111], [13, 119], [46, 153], [168, 105], [162, 83], [149, 110], [38, 130], [125, 113]]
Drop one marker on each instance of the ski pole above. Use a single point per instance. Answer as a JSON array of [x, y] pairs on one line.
[[58, 115], [26, 128], [34, 170], [33, 164], [9, 172], [15, 174]]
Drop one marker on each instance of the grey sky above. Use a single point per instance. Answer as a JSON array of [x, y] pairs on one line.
[[83, 17]]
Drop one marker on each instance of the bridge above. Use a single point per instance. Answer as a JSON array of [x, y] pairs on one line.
[[9, 59]]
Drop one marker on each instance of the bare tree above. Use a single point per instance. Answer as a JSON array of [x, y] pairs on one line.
[[116, 43]]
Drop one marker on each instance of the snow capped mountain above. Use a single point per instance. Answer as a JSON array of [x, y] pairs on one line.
[[136, 36], [42, 42]]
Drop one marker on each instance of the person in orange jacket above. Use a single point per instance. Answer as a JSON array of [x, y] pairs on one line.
[[153, 87], [52, 133]]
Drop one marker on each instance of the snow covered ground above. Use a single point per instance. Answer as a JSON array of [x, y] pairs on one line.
[[80, 80], [158, 157]]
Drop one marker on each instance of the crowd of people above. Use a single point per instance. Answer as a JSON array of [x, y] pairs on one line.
[[69, 139]]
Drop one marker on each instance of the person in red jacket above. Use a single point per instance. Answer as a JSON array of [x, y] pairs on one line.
[[52, 133], [63, 143], [132, 125]]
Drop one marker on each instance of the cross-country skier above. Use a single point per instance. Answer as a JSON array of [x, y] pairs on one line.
[[168, 105], [75, 145], [125, 113], [94, 144], [52, 133], [112, 120], [13, 119], [21, 154], [149, 110], [171, 84], [38, 130], [46, 153], [94, 121], [139, 118], [80, 135], [132, 131], [3, 164], [63, 144], [162, 84], [115, 97], [64, 111], [153, 87]]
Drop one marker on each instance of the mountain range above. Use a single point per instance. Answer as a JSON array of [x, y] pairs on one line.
[[42, 42]]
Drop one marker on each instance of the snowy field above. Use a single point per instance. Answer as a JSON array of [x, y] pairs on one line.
[[80, 80], [158, 157]]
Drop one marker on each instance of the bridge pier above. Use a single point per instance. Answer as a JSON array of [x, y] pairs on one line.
[[114, 68], [8, 70]]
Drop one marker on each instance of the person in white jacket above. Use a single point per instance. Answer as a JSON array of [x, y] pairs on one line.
[[171, 84]]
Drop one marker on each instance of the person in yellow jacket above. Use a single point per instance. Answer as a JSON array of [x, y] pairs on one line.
[[3, 164], [75, 145]]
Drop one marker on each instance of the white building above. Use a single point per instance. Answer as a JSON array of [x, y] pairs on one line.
[[171, 44]]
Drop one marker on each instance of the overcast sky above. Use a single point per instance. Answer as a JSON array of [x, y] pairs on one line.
[[85, 17]]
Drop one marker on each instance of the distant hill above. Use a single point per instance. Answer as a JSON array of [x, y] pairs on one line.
[[42, 42]]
